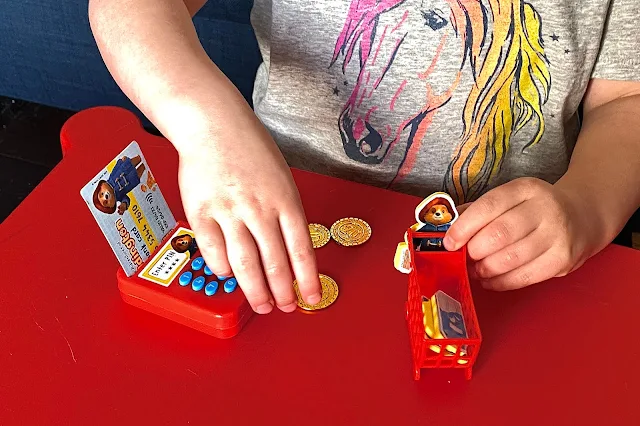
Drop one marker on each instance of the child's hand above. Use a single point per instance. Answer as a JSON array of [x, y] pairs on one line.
[[244, 208], [522, 233]]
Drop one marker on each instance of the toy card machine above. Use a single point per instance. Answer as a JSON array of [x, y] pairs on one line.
[[176, 284], [161, 270]]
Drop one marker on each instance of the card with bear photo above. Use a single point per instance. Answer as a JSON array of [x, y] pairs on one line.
[[450, 317], [126, 201]]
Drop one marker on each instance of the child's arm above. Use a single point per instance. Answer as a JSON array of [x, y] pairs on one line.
[[237, 191], [605, 166], [527, 231]]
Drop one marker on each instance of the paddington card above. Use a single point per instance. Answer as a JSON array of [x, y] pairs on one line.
[[126, 201], [450, 316]]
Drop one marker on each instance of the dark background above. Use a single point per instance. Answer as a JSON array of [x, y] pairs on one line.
[[29, 148]]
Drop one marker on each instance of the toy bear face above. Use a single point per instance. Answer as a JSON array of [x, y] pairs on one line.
[[106, 196], [438, 215], [181, 243]]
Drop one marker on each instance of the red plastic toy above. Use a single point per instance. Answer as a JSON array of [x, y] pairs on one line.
[[446, 271], [441, 317], [161, 286]]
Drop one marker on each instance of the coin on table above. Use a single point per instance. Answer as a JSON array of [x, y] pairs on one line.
[[329, 294], [319, 234], [350, 231]]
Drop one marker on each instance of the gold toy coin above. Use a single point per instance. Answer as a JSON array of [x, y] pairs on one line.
[[319, 234], [350, 231], [329, 294]]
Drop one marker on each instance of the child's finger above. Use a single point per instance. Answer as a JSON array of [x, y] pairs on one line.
[[486, 209], [540, 269], [513, 256], [295, 231], [462, 207], [247, 268], [507, 229], [275, 262], [212, 246]]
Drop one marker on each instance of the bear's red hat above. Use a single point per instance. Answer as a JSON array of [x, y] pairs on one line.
[[433, 199]]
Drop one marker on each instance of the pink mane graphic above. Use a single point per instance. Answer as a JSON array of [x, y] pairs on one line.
[[391, 53], [377, 46]]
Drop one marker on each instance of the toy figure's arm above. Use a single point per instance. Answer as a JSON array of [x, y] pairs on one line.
[[124, 205]]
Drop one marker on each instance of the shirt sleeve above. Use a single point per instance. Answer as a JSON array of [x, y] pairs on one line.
[[619, 56]]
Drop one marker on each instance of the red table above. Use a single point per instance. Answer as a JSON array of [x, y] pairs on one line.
[[72, 352]]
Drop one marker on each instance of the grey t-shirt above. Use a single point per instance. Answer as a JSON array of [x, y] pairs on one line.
[[425, 95]]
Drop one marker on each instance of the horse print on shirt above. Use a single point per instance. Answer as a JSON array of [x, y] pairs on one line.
[[496, 43]]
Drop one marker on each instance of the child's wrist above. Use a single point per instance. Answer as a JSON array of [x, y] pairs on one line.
[[600, 224], [195, 115]]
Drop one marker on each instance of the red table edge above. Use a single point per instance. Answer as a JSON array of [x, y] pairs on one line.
[[120, 118]]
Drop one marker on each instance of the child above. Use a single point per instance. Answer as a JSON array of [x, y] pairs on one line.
[[478, 98]]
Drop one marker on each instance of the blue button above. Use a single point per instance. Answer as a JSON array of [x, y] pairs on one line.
[[230, 285], [211, 288], [222, 278], [197, 284], [197, 263], [208, 271], [185, 278]]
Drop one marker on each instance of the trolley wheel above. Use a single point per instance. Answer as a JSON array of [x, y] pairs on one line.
[[468, 373]]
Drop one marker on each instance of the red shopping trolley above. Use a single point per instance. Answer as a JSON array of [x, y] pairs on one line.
[[432, 271]]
